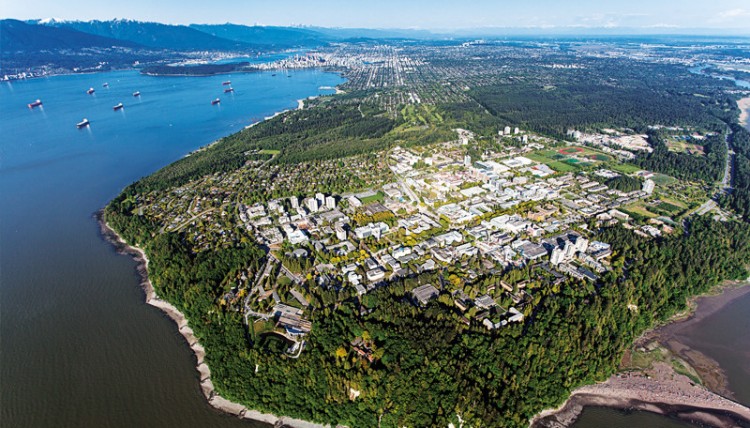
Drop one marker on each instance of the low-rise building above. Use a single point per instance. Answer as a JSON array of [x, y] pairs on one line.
[[423, 294]]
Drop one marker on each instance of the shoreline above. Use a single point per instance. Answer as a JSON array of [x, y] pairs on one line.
[[744, 106], [204, 372], [660, 389]]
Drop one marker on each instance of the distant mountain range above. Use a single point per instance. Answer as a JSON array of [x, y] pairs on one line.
[[50, 34], [268, 37], [51, 46], [19, 36], [157, 36]]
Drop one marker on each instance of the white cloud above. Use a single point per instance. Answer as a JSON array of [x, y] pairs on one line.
[[733, 14]]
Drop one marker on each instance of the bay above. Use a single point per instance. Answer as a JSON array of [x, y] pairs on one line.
[[78, 344]]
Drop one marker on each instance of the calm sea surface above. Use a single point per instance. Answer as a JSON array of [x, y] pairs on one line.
[[78, 345]]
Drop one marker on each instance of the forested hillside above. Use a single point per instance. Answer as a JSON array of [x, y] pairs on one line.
[[608, 94], [739, 198], [708, 167], [430, 364]]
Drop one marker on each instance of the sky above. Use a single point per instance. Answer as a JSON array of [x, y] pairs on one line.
[[649, 15]]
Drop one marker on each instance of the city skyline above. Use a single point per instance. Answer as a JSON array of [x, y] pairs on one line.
[[639, 15]]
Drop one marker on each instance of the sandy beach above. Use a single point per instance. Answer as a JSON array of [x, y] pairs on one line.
[[659, 388], [744, 105], [204, 372]]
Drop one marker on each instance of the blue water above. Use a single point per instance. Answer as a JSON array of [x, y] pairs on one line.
[[78, 345], [699, 70]]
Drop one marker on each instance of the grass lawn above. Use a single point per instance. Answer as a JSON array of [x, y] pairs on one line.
[[378, 197], [554, 164], [673, 209], [675, 202], [638, 208], [625, 168], [269, 152], [663, 180]]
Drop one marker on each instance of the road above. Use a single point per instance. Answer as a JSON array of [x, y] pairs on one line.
[[726, 182], [409, 192], [291, 275]]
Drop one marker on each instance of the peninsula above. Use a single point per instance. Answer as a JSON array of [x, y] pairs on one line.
[[464, 236]]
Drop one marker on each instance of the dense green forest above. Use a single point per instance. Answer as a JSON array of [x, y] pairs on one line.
[[194, 70], [430, 365], [608, 93], [330, 131], [708, 167], [739, 198], [625, 183]]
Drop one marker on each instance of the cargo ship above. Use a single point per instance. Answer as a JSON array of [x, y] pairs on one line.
[[117, 107], [227, 90], [137, 94], [82, 124], [90, 91], [36, 103], [216, 101]]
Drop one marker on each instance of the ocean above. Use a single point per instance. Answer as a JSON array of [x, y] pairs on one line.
[[78, 344]]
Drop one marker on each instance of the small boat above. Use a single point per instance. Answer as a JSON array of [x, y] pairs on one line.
[[36, 103], [273, 75], [117, 107], [227, 83], [227, 90], [216, 101], [137, 94], [82, 124], [105, 85], [90, 91]]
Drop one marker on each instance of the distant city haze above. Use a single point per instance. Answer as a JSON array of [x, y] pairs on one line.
[[644, 16]]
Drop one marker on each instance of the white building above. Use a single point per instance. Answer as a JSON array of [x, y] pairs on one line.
[[557, 256], [375, 230], [340, 232], [648, 186], [297, 237], [312, 204], [376, 274], [330, 202], [354, 202]]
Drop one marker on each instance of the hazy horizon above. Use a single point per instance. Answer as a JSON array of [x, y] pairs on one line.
[[634, 17]]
